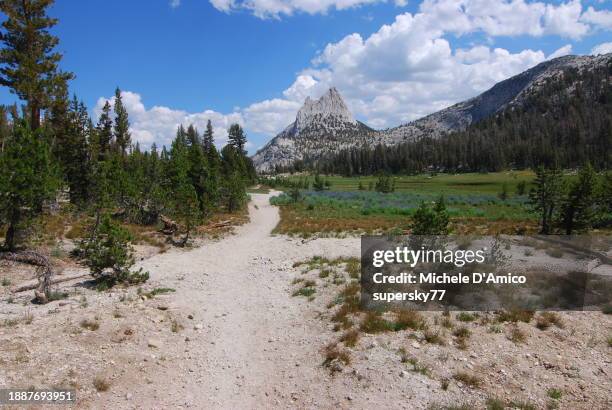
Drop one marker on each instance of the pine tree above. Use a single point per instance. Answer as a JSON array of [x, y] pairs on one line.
[[431, 220], [184, 204], [105, 131], [122, 125], [318, 184], [109, 255], [198, 168], [74, 153], [235, 192], [579, 204], [237, 138], [544, 197], [209, 138], [385, 184], [29, 66], [24, 184]]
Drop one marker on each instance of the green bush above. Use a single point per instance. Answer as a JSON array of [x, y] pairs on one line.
[[108, 255], [431, 219]]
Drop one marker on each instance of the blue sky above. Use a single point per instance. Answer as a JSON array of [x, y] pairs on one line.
[[252, 62]]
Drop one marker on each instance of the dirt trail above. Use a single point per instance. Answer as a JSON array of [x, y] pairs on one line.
[[255, 348]]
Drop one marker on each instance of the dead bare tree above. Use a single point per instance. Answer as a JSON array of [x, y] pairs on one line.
[[44, 271]]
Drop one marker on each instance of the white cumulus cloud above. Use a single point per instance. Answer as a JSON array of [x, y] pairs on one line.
[[603, 48], [560, 52], [159, 124]]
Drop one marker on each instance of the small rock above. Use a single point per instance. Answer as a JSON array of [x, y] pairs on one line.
[[128, 396], [198, 326], [416, 345], [403, 373], [154, 343]]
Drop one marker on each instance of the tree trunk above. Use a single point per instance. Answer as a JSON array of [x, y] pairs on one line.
[[35, 116], [9, 241]]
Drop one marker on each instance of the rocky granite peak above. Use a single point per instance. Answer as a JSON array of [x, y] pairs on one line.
[[330, 105]]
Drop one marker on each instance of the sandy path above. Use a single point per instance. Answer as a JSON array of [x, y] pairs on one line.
[[255, 348]]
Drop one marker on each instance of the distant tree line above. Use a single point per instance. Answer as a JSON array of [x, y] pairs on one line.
[[566, 123]]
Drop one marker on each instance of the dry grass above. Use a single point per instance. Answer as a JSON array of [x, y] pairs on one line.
[[433, 337], [175, 326], [333, 354], [410, 319], [101, 384], [307, 289], [462, 334], [90, 324], [468, 379], [547, 319], [350, 338], [517, 335], [373, 322], [28, 317], [515, 316], [297, 222], [466, 317]]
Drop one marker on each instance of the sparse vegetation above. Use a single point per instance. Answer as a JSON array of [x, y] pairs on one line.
[[468, 379], [175, 326], [101, 384], [350, 337], [90, 324], [418, 367], [333, 354], [493, 403], [554, 393], [307, 289], [547, 319], [158, 291], [517, 335], [515, 315], [466, 317], [462, 334], [433, 337]]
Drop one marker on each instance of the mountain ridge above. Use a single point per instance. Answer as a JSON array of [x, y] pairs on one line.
[[326, 125]]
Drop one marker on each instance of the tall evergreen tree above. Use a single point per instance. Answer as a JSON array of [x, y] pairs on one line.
[[105, 131], [74, 153], [122, 125], [580, 203], [184, 201], [28, 62], [545, 195], [236, 137], [209, 138], [24, 184]]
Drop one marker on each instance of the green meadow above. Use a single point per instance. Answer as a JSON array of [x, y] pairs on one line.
[[474, 201], [471, 183]]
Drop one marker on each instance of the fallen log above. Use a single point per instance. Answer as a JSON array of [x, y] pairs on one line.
[[170, 226], [220, 224], [32, 286]]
